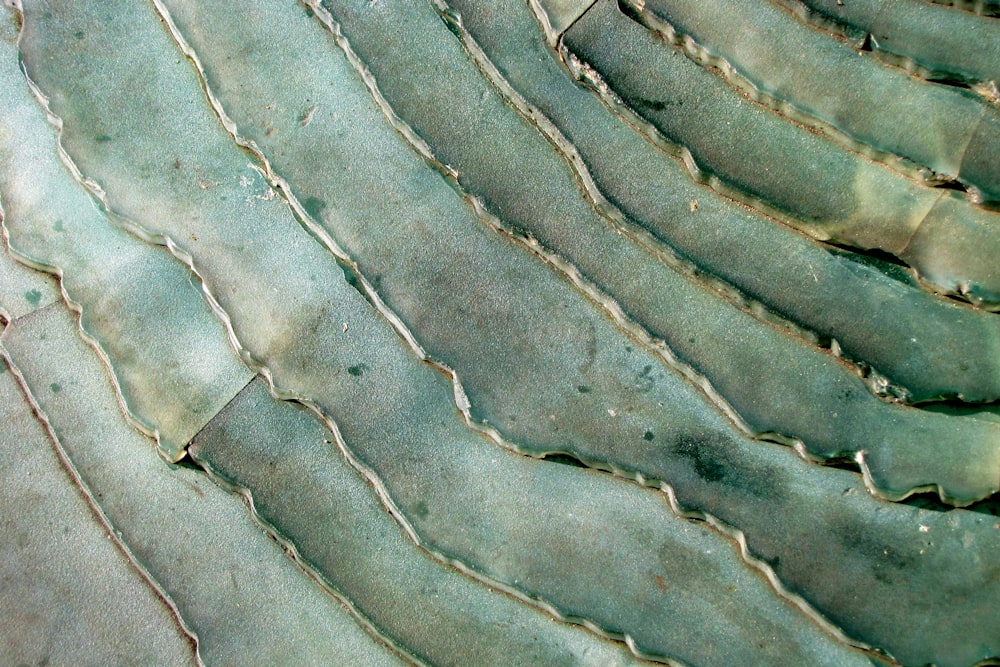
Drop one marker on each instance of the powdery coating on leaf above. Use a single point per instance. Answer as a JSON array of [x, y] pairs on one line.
[[113, 617]]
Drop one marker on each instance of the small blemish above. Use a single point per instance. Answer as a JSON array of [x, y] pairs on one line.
[[648, 436], [583, 389], [55, 387], [655, 105], [357, 371], [58, 225], [78, 34], [34, 297], [307, 117], [314, 206], [103, 138]]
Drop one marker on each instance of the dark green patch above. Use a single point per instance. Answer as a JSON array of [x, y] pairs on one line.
[[420, 510], [657, 105], [357, 371], [102, 138], [716, 458], [58, 225], [33, 296], [55, 387], [708, 464], [645, 380], [314, 207], [648, 436], [78, 34], [310, 13], [887, 555], [583, 389]]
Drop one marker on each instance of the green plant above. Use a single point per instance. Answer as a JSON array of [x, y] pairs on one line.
[[516, 325]]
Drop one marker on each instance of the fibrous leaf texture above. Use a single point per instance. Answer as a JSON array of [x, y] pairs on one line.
[[529, 332]]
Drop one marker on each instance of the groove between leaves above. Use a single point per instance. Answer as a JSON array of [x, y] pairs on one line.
[[165, 241], [139, 424], [880, 385], [156, 239], [94, 189], [950, 285]]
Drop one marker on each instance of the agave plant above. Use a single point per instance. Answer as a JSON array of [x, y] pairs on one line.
[[516, 332]]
